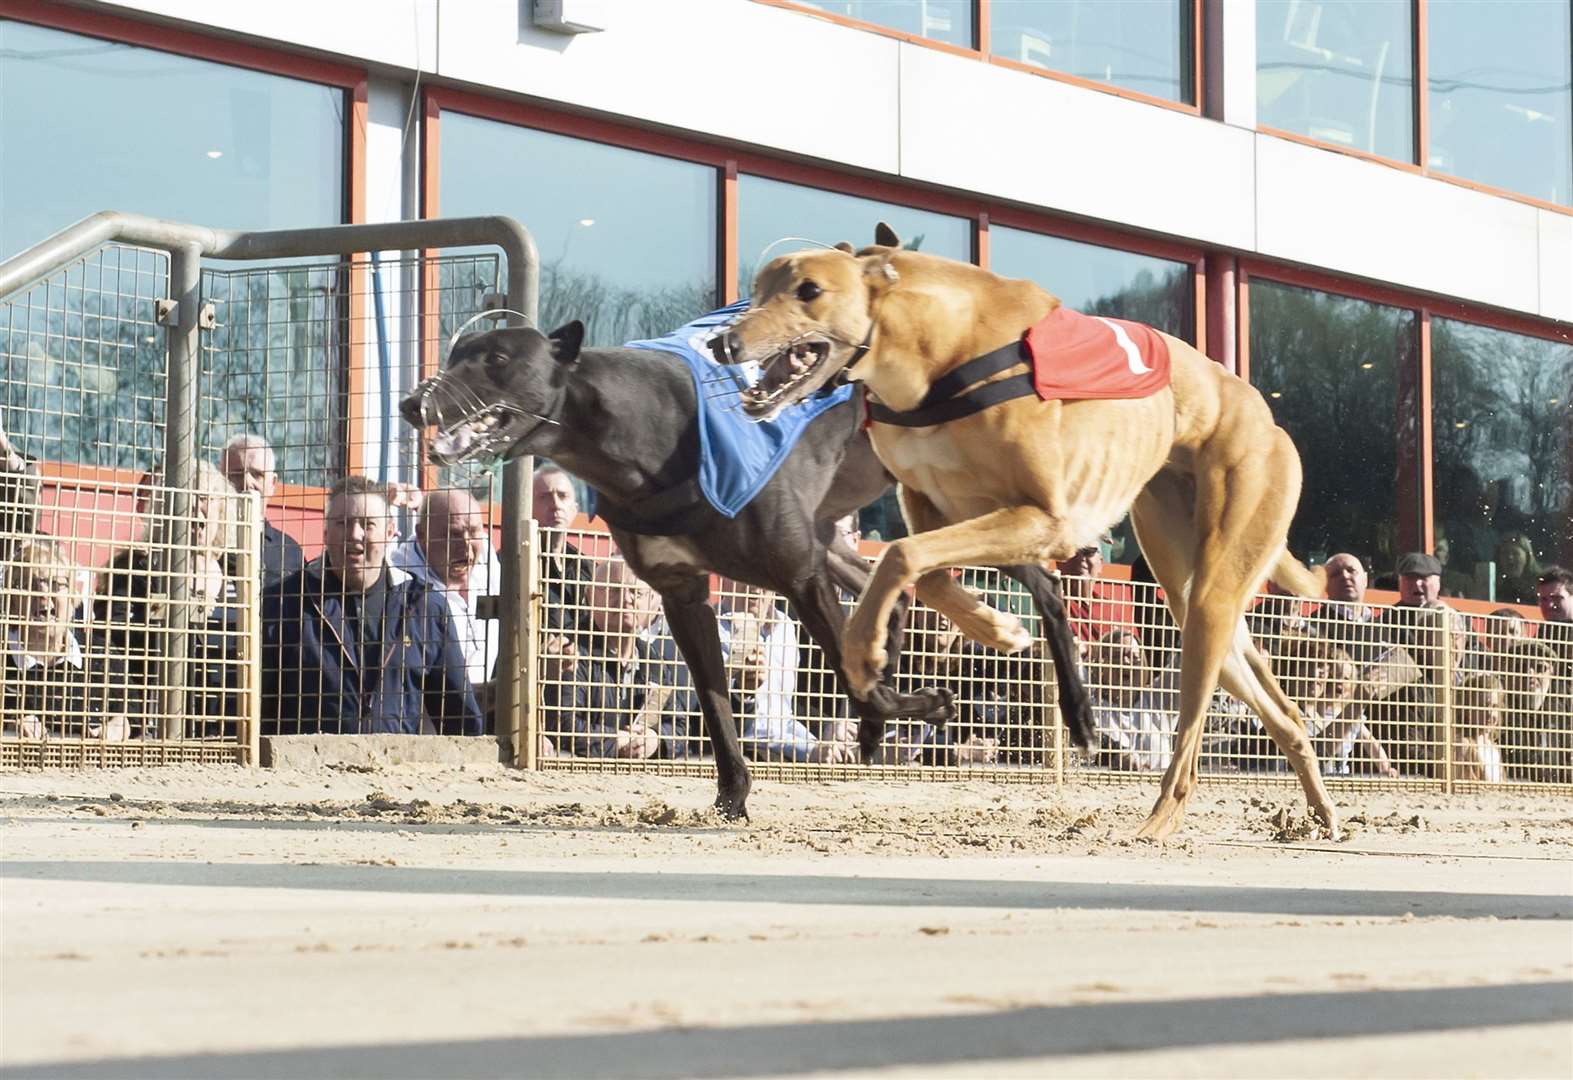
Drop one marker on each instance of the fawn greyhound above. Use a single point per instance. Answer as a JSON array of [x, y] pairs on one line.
[[1210, 481]]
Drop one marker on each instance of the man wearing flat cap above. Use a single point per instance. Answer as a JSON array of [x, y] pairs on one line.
[[1408, 722]]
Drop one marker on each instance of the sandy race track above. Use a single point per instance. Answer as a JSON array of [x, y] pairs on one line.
[[475, 922]]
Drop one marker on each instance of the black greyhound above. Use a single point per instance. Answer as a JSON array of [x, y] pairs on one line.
[[625, 421]]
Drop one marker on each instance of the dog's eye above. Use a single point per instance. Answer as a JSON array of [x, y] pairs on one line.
[[808, 291], [496, 359]]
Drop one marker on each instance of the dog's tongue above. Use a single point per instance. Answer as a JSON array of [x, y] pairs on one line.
[[450, 444]]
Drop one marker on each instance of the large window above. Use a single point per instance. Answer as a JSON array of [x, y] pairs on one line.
[[770, 210], [1143, 45], [1339, 375], [1099, 280], [1499, 81], [1338, 71], [88, 125], [627, 240], [949, 21], [1502, 416]]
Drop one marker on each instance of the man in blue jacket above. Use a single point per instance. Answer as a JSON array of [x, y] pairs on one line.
[[351, 644]]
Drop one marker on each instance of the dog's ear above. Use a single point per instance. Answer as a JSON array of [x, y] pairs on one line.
[[566, 340], [878, 273], [844, 246], [885, 236]]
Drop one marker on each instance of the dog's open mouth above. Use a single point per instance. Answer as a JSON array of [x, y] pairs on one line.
[[481, 435], [789, 376]]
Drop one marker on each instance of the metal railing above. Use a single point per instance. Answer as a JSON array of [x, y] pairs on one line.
[[128, 350]]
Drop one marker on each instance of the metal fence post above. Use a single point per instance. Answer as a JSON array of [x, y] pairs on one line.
[[530, 663], [251, 586], [183, 338], [516, 697], [1445, 617]]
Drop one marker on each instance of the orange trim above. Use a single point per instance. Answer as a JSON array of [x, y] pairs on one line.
[[727, 241], [181, 42], [984, 18], [980, 241], [873, 28], [1198, 57], [1420, 96], [1199, 303], [1242, 321], [1425, 463], [356, 162], [358, 280]]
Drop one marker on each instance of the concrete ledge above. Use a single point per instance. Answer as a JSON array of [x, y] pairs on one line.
[[314, 751]]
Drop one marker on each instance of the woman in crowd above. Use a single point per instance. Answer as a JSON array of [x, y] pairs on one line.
[[132, 615], [1476, 755], [1133, 732]]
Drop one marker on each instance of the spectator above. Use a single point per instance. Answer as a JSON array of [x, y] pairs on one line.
[[248, 464], [351, 644], [49, 689], [1535, 737], [1507, 624], [1554, 595], [452, 550], [1476, 755], [1133, 732], [1346, 619], [19, 484], [1518, 570], [1093, 606], [565, 573], [760, 646], [627, 695], [132, 615], [1408, 670]]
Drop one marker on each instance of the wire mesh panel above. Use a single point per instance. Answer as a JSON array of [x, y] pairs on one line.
[[614, 687], [113, 655], [1402, 695], [84, 361]]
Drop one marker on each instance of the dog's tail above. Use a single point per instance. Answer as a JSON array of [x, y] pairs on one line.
[[1290, 573]]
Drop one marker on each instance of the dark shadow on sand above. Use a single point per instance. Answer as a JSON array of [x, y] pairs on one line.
[[931, 1041]]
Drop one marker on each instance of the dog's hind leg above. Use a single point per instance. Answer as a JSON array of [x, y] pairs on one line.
[[693, 624]]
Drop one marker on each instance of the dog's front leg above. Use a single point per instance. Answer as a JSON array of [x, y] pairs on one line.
[[1020, 534]]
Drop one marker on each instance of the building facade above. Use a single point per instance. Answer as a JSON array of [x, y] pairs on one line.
[[1365, 207]]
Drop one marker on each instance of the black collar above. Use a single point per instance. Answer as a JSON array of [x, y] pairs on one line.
[[946, 399]]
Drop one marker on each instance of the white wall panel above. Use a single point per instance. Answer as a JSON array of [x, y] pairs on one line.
[[1556, 265], [397, 32], [722, 68], [1334, 211], [1033, 140]]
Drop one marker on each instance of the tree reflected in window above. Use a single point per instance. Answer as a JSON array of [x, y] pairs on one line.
[[1339, 375], [1502, 413]]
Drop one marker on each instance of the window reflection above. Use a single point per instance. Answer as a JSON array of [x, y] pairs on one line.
[[1339, 71], [627, 240], [1500, 78], [1142, 45], [1332, 369], [949, 21], [771, 210], [1101, 281], [1501, 417], [167, 136]]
